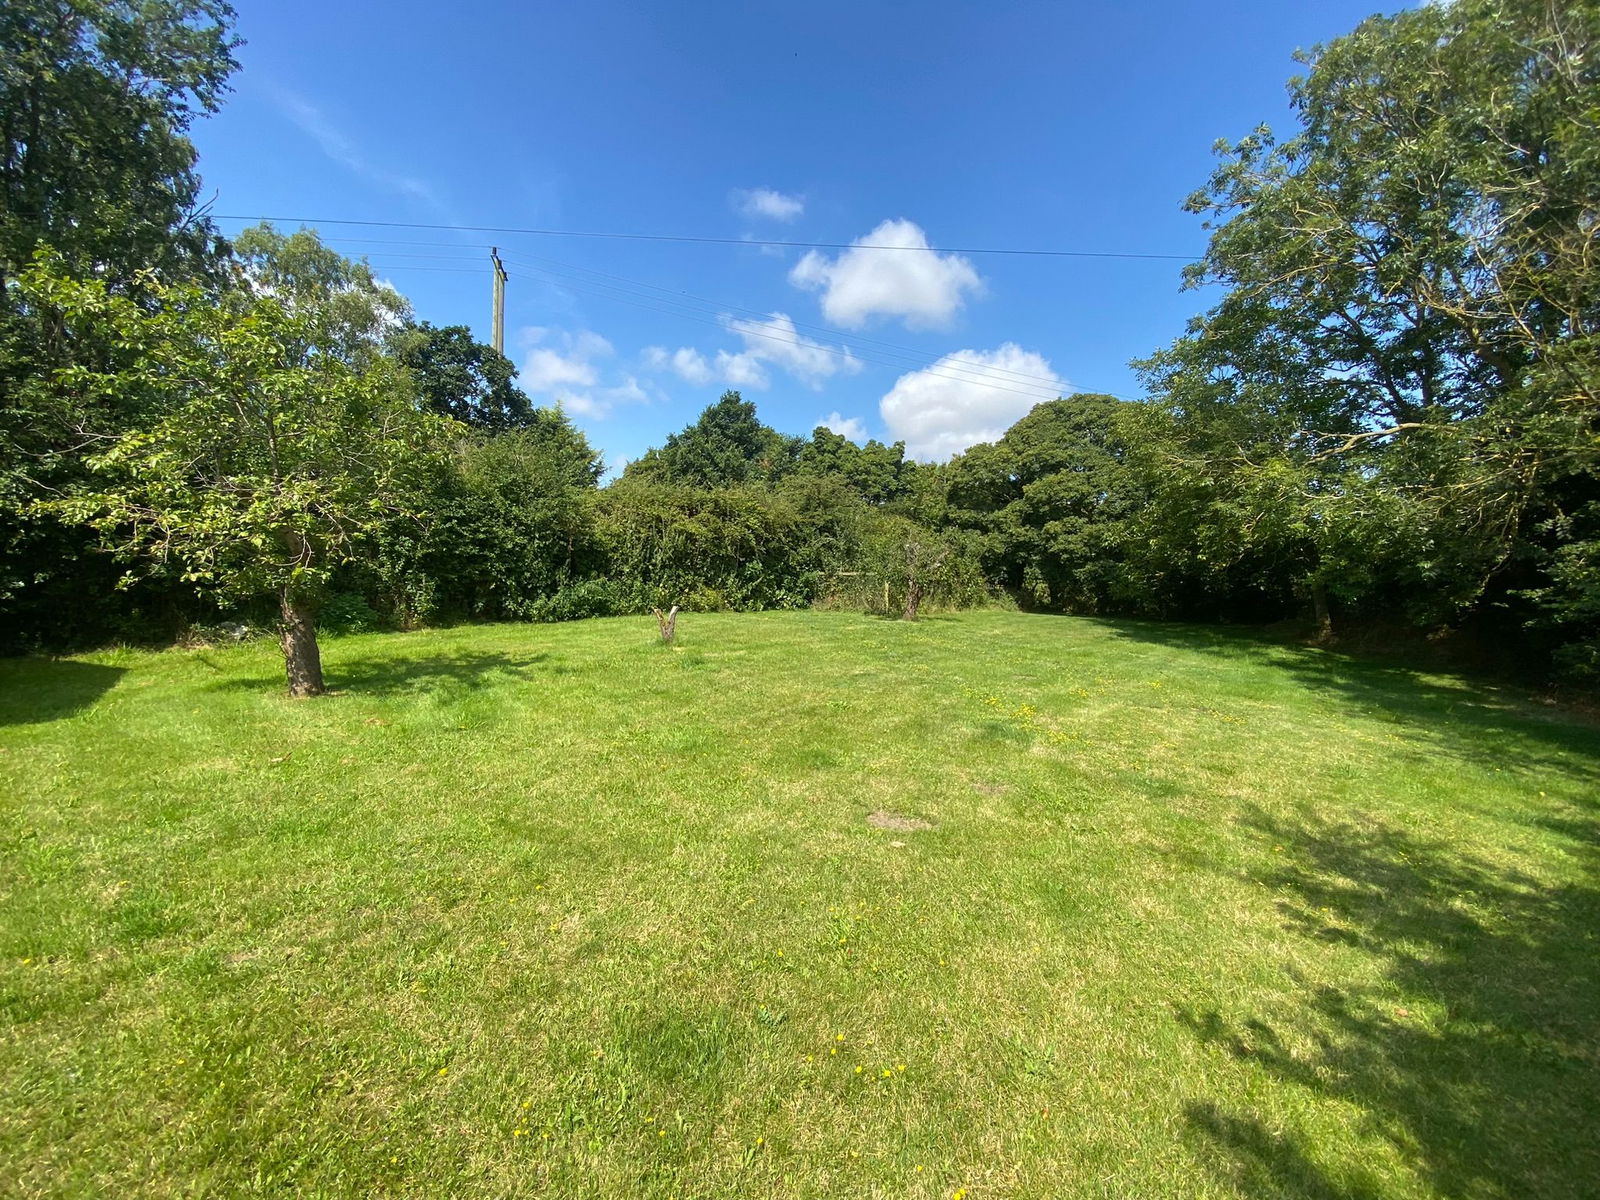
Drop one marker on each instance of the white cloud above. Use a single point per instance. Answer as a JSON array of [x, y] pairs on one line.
[[766, 204], [924, 288], [853, 428], [564, 367], [598, 403], [965, 398], [567, 363], [771, 341], [741, 370], [777, 341], [689, 364]]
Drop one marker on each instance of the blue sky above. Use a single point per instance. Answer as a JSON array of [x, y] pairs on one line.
[[1065, 126]]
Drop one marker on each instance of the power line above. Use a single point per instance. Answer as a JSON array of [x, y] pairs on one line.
[[720, 241], [444, 270]]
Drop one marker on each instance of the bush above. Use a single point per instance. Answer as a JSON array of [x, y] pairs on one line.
[[348, 612]]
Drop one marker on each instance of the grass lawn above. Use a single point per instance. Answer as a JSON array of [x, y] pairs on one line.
[[554, 910]]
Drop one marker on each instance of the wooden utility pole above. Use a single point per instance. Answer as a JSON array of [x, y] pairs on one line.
[[499, 300]]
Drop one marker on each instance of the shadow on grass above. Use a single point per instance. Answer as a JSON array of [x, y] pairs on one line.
[[447, 673], [1485, 722], [1477, 1055], [37, 690]]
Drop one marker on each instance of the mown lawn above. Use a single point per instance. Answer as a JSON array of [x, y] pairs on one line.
[[553, 910]]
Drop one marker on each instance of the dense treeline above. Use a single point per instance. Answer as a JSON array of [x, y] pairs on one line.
[[1390, 415]]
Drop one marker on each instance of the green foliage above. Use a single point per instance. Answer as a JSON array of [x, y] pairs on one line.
[[1397, 399], [728, 445], [459, 377], [875, 472], [345, 310], [903, 569], [96, 170], [348, 612], [95, 162], [739, 548], [261, 457], [1049, 504], [495, 530]]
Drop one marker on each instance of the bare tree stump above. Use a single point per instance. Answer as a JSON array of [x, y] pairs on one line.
[[668, 622]]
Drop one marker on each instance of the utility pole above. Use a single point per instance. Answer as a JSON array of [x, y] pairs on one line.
[[499, 300]]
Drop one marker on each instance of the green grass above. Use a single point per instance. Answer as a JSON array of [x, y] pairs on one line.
[[554, 910]]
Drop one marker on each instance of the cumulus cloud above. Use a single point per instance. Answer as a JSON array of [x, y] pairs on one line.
[[568, 361], [770, 341], [765, 204], [912, 282], [775, 340], [598, 403], [566, 367], [965, 398], [689, 364], [853, 428]]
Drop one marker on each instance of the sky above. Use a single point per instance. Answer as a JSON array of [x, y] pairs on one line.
[[909, 137]]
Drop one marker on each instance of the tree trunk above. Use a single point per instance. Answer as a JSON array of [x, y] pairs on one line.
[[1319, 602], [302, 660], [913, 599]]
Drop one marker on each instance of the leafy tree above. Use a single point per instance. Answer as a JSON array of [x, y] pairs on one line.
[[727, 445], [877, 473], [1050, 501], [502, 525], [745, 547], [263, 456], [345, 309], [96, 100], [459, 377], [903, 565], [1403, 369]]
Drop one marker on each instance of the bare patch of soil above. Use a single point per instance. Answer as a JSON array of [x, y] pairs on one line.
[[883, 819]]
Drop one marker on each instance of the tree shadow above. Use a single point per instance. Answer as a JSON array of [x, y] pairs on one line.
[[460, 673], [36, 690], [1486, 722], [1475, 1055]]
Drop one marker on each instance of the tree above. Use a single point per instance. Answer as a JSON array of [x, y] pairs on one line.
[[727, 445], [264, 456], [504, 524], [1051, 501], [459, 377], [343, 307], [1412, 316], [96, 100], [875, 472]]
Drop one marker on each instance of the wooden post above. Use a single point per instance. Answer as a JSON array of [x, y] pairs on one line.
[[668, 622], [499, 318]]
